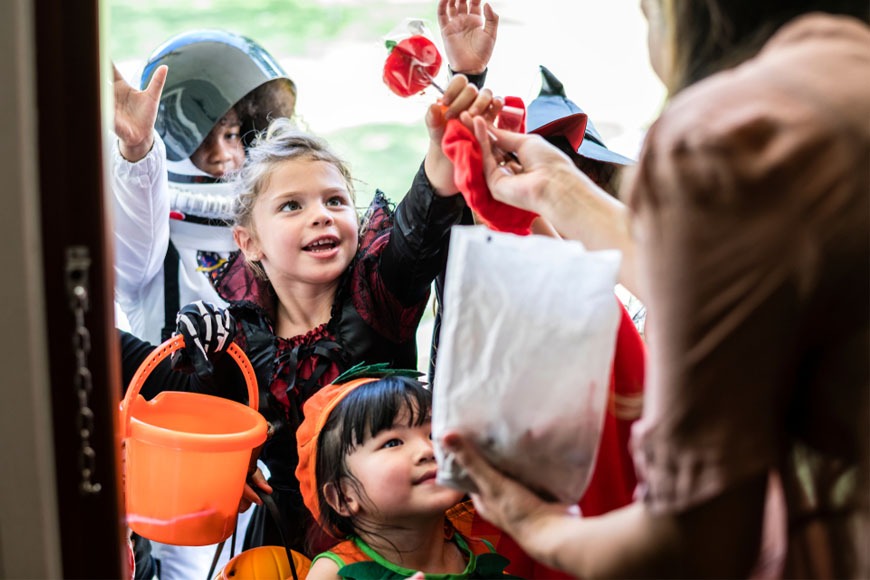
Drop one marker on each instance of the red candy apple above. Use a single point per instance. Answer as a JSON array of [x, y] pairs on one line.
[[411, 65]]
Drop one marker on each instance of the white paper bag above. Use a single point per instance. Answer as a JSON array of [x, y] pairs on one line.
[[525, 356]]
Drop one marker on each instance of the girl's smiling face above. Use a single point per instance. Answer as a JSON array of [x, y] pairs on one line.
[[304, 227], [396, 468]]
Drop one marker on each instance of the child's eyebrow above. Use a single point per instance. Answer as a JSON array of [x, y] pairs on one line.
[[290, 193], [279, 195], [224, 122]]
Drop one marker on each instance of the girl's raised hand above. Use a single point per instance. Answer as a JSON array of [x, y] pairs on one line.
[[468, 34], [135, 113], [459, 97]]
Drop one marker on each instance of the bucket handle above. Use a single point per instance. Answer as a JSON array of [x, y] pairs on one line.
[[161, 352]]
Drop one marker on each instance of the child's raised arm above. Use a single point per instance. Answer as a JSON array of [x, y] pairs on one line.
[[468, 34], [135, 113]]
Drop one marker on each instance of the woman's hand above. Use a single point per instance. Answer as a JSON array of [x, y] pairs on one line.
[[519, 168], [135, 113], [539, 178], [499, 499]]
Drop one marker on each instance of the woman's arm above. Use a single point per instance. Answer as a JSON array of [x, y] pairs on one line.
[[546, 182], [717, 538]]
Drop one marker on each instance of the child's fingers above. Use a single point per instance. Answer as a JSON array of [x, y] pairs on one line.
[[442, 13], [435, 115], [463, 101], [454, 88], [158, 80], [249, 496], [451, 9], [260, 480], [481, 104], [490, 114], [494, 110], [490, 20]]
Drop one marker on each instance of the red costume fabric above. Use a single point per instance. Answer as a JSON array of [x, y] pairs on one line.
[[461, 147]]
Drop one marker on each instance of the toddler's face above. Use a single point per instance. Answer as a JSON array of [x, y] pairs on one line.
[[396, 468], [222, 151], [305, 226]]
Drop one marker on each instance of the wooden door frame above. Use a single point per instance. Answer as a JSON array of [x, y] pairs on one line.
[[75, 208]]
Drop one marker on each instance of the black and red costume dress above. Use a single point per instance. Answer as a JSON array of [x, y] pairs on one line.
[[377, 309]]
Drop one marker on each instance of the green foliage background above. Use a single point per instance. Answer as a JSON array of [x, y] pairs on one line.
[[285, 26], [383, 156]]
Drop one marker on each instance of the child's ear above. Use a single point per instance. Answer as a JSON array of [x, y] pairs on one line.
[[247, 244], [342, 501]]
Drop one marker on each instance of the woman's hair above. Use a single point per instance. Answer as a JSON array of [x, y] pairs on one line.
[[281, 142], [706, 36], [371, 408]]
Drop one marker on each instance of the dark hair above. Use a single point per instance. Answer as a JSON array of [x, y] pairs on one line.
[[711, 35], [271, 100], [368, 410]]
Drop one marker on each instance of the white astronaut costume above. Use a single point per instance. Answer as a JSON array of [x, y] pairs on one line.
[[163, 201], [143, 228], [143, 198]]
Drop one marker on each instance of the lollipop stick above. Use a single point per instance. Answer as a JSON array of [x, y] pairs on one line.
[[433, 83], [429, 78]]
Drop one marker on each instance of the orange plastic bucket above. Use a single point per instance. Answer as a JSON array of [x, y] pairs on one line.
[[187, 456], [264, 563]]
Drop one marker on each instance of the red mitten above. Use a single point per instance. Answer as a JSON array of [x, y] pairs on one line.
[[462, 148]]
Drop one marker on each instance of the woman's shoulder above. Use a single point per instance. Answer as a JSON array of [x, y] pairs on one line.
[[810, 70], [763, 123]]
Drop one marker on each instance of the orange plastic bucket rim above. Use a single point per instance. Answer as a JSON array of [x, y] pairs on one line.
[[164, 350], [144, 428], [200, 439], [264, 563]]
